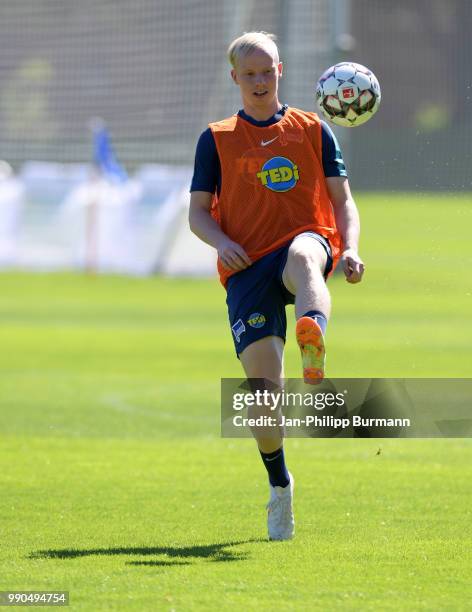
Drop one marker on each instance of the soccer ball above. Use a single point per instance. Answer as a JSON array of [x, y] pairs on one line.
[[348, 94]]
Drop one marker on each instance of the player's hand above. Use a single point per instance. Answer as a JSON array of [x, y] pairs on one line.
[[353, 266], [233, 256]]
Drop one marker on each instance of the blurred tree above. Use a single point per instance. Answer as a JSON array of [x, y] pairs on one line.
[[24, 102]]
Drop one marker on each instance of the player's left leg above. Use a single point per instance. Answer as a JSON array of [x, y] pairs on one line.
[[304, 276]]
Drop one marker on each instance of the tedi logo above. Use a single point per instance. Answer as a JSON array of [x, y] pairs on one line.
[[279, 174], [256, 320]]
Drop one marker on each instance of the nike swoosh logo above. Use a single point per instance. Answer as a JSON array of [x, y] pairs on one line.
[[273, 458], [264, 143]]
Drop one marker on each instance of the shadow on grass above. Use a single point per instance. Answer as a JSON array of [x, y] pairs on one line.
[[212, 552], [159, 563]]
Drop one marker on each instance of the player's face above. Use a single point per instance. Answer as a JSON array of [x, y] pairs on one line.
[[257, 75]]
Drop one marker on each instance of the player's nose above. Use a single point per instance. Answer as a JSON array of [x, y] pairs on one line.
[[260, 79]]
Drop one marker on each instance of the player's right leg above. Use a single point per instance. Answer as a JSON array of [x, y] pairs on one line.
[[263, 364], [256, 306]]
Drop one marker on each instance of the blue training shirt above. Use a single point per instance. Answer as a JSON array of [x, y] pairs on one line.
[[207, 169]]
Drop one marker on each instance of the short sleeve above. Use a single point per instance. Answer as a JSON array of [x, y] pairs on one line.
[[333, 163], [207, 169]]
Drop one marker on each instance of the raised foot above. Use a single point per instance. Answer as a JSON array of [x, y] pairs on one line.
[[311, 342]]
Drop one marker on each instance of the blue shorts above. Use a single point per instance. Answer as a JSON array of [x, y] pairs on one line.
[[256, 297]]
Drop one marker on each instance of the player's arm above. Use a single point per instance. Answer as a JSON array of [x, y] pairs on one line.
[[348, 224], [202, 224], [206, 181]]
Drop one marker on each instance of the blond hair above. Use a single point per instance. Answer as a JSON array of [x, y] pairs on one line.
[[248, 42]]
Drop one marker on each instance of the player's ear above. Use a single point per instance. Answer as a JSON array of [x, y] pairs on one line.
[[280, 68], [234, 76]]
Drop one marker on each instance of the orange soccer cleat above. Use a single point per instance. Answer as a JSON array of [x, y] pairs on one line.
[[311, 343]]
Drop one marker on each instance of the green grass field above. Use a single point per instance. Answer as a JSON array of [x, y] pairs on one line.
[[116, 486]]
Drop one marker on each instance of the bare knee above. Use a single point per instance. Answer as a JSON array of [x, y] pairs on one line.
[[306, 259], [264, 359]]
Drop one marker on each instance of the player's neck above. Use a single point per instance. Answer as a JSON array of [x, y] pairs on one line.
[[262, 113]]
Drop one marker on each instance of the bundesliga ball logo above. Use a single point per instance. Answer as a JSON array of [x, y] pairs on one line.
[[348, 94]]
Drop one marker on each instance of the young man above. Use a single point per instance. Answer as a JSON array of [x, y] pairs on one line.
[[270, 194]]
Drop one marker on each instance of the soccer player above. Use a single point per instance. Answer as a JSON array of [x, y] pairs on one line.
[[270, 193]]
